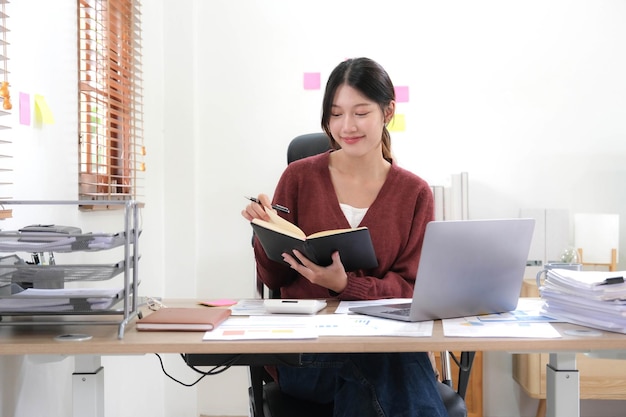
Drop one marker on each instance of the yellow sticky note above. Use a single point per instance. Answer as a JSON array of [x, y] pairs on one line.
[[42, 111], [397, 124]]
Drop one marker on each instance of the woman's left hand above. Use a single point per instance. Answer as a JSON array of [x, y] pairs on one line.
[[333, 276]]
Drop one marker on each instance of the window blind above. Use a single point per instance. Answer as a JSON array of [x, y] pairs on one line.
[[111, 145], [6, 157]]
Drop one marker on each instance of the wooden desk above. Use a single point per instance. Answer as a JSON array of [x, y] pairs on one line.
[[89, 375], [36, 340]]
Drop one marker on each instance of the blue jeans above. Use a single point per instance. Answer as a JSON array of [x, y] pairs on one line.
[[367, 384]]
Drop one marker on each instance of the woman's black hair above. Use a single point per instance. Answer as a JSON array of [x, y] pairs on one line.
[[371, 80]]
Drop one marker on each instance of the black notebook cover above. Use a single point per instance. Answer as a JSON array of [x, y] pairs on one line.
[[354, 246]]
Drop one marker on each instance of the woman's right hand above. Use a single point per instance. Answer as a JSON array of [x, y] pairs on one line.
[[257, 210]]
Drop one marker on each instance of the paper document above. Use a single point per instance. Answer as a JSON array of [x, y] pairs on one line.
[[589, 298], [11, 244], [359, 325], [311, 326], [528, 310], [588, 279], [33, 299], [472, 327], [602, 285], [34, 304], [264, 328], [581, 304], [588, 318], [71, 293]]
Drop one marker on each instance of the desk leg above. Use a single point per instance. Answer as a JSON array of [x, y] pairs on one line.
[[88, 386], [562, 386]]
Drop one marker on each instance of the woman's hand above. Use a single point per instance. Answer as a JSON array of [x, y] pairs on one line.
[[257, 210], [333, 276]]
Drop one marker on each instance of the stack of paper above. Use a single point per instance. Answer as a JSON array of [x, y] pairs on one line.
[[62, 299], [58, 244], [589, 298]]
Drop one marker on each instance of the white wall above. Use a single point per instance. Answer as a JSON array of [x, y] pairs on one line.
[[43, 61], [528, 97]]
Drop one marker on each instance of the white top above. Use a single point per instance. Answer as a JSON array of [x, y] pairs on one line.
[[353, 214]]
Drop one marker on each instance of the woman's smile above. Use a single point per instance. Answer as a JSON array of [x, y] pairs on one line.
[[351, 140]]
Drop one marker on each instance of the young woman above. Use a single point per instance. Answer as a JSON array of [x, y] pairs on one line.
[[355, 184]]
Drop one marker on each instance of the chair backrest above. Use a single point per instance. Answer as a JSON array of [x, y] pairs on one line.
[[307, 145]]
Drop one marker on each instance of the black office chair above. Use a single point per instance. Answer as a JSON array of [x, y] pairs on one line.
[[266, 398], [307, 145]]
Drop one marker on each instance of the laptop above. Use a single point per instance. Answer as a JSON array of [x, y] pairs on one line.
[[467, 268]]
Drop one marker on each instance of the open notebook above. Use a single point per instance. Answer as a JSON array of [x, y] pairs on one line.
[[467, 267]]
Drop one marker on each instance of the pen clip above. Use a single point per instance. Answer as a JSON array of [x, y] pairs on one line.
[[614, 280]]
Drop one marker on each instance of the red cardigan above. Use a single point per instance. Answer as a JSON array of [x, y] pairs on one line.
[[396, 220]]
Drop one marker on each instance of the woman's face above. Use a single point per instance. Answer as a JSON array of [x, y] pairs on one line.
[[357, 122]]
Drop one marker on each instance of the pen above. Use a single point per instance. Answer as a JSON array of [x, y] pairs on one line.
[[274, 206]]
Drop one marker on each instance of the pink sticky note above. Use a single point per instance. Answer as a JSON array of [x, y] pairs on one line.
[[312, 81], [24, 109], [222, 302], [402, 94]]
